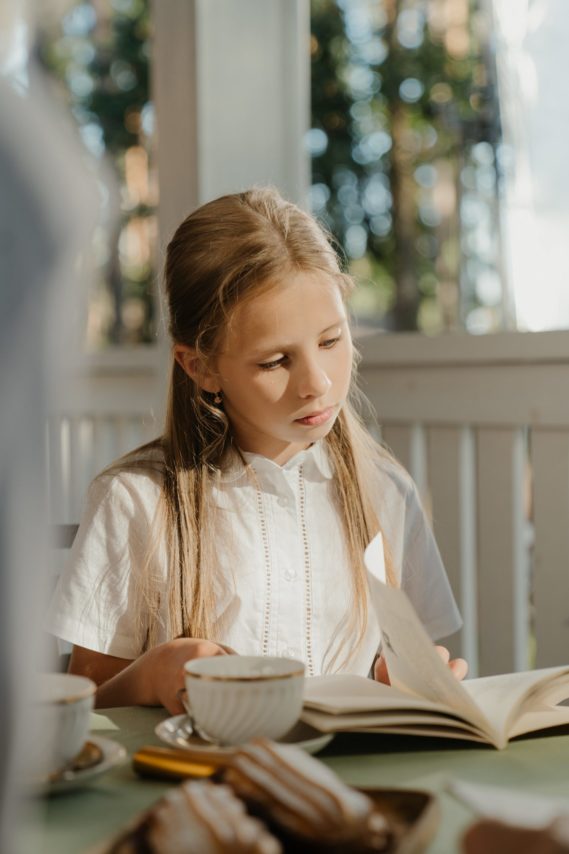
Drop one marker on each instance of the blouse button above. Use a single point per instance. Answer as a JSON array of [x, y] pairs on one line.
[[283, 501], [290, 574]]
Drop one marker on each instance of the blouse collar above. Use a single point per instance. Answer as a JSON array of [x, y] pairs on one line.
[[314, 460]]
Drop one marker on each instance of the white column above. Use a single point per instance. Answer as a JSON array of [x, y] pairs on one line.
[[231, 88]]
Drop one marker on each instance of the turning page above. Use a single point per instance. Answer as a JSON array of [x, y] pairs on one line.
[[413, 663], [500, 706]]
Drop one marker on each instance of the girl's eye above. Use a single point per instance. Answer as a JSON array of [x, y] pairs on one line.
[[277, 363], [329, 343], [270, 366]]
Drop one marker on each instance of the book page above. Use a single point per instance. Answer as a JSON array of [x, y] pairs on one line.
[[507, 696], [413, 663], [383, 721], [430, 731], [541, 719], [343, 701], [346, 693], [553, 687]]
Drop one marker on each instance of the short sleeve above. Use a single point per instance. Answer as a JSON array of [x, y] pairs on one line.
[[94, 603], [423, 575]]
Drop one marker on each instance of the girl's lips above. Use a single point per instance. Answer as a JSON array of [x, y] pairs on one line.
[[317, 418]]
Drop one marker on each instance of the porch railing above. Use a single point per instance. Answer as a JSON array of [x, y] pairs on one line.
[[108, 408], [482, 424]]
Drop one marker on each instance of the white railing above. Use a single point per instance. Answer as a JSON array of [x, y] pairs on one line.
[[112, 404], [482, 424]]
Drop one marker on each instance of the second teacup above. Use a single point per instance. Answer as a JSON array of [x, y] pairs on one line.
[[233, 698], [62, 710]]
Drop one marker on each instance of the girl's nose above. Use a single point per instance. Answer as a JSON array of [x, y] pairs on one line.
[[313, 381]]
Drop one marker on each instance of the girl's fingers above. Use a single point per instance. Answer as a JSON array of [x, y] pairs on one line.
[[444, 653], [380, 673], [227, 649], [459, 668]]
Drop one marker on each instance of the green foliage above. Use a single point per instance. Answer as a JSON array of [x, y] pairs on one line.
[[120, 69], [102, 63], [396, 121], [391, 99]]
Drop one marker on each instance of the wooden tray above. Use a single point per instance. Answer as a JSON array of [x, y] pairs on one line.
[[413, 817]]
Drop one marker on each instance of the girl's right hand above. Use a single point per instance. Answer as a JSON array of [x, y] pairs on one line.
[[153, 679], [165, 667], [457, 666]]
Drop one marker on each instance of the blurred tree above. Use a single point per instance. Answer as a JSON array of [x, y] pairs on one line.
[[102, 58], [403, 142], [401, 93]]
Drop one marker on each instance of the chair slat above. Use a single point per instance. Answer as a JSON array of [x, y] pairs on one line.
[[398, 439], [453, 492], [503, 583], [550, 462]]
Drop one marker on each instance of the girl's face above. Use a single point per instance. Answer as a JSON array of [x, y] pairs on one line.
[[285, 365]]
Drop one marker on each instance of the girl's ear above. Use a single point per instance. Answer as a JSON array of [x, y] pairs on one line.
[[195, 367]]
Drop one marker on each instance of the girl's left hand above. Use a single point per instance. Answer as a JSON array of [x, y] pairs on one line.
[[458, 666]]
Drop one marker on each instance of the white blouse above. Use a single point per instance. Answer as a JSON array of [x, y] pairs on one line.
[[284, 580]]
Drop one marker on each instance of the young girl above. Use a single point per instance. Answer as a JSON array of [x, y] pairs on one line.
[[242, 529]]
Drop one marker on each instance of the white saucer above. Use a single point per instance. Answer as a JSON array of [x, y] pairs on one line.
[[177, 732], [112, 754]]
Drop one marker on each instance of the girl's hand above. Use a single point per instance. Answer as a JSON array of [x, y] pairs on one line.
[[153, 679], [165, 667], [458, 666]]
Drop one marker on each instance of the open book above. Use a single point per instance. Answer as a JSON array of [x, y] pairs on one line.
[[424, 698]]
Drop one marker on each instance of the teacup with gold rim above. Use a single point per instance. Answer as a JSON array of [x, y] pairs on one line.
[[62, 708], [233, 698]]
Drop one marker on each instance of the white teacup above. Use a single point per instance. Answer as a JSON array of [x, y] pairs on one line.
[[233, 698], [63, 704]]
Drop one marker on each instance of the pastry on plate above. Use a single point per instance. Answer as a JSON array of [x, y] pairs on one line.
[[197, 818], [304, 801]]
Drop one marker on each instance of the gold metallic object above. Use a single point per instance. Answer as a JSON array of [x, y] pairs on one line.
[[171, 764]]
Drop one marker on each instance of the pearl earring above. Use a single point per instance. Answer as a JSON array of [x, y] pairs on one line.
[[217, 398]]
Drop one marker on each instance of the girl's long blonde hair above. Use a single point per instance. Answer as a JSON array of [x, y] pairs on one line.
[[230, 250]]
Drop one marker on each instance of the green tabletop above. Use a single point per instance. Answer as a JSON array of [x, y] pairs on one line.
[[72, 822]]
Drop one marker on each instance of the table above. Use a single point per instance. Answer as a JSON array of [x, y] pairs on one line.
[[75, 821]]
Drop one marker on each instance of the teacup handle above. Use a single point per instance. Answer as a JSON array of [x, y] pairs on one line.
[[182, 696]]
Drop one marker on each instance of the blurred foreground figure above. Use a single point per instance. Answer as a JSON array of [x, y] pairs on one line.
[[46, 205]]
